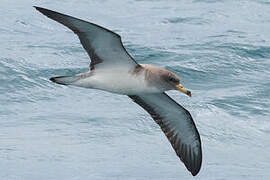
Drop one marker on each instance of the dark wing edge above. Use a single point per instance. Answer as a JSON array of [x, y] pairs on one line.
[[184, 151], [51, 14], [61, 18]]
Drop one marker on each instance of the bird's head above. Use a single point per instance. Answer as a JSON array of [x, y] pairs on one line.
[[172, 81]]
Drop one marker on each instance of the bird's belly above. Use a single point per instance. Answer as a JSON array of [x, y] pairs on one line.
[[121, 83]]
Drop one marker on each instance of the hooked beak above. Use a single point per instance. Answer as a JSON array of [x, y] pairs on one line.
[[179, 87]]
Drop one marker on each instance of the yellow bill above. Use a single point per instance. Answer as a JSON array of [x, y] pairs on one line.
[[179, 87]]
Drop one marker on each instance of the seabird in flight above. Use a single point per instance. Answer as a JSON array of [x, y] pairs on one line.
[[113, 69]]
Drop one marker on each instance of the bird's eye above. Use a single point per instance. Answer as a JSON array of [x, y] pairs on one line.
[[171, 79]]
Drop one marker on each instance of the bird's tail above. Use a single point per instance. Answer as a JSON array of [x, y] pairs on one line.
[[65, 80]]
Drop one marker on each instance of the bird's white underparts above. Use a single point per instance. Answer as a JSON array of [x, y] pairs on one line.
[[143, 79]]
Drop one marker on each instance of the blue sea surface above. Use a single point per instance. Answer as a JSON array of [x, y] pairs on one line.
[[220, 49]]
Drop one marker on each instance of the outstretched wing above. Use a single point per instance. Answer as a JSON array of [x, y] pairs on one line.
[[103, 46], [177, 124]]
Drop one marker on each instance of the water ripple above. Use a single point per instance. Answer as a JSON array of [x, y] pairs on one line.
[[187, 20]]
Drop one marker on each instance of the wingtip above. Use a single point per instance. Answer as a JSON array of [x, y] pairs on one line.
[[192, 161], [197, 169], [40, 9], [53, 79], [194, 173], [36, 7]]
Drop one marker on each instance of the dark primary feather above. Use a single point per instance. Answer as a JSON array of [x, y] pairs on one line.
[[104, 47], [177, 124]]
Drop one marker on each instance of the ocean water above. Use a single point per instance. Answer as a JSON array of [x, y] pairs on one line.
[[220, 49]]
